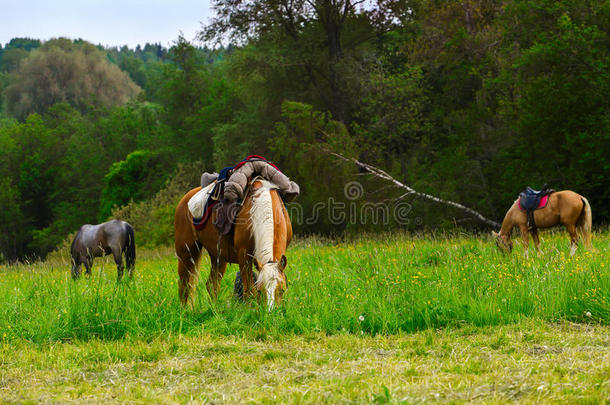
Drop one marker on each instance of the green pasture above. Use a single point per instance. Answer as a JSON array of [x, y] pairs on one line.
[[386, 285], [385, 319]]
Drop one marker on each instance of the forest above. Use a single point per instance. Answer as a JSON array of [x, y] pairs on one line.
[[468, 100]]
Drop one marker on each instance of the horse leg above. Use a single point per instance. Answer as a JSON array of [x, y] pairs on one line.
[[536, 238], [245, 271], [573, 238], [188, 258], [130, 251], [217, 272], [525, 237], [118, 259], [88, 264]]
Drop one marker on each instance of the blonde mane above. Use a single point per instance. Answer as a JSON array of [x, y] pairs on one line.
[[262, 226], [261, 222]]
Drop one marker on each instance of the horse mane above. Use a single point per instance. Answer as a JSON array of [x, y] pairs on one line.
[[262, 227], [261, 222]]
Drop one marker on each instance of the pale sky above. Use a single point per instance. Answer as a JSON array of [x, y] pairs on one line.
[[106, 22]]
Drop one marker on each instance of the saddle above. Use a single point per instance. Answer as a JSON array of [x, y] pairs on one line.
[[227, 203], [531, 200], [206, 200]]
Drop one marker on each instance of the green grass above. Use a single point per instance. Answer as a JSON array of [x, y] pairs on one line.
[[384, 286], [384, 320]]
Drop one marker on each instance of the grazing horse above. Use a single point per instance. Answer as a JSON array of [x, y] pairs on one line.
[[261, 235], [91, 241], [563, 207]]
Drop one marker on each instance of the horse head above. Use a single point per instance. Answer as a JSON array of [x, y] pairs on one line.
[[272, 281], [502, 242]]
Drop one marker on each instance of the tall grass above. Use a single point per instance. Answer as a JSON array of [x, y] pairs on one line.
[[386, 284]]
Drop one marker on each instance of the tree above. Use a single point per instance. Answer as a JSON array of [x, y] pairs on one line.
[[62, 71], [15, 51], [558, 103], [29, 166], [12, 222], [11, 58], [139, 176], [196, 98], [320, 35]]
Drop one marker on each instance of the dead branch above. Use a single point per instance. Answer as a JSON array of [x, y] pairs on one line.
[[409, 191]]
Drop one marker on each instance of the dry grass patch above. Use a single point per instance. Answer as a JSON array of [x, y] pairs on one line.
[[530, 362]]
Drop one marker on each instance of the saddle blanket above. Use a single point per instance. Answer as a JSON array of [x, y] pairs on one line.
[[541, 204], [200, 205]]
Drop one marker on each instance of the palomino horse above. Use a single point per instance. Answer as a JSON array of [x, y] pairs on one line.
[[564, 207], [91, 241], [261, 236]]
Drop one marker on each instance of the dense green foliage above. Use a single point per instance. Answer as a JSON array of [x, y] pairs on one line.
[[63, 71], [384, 285], [467, 100], [131, 179]]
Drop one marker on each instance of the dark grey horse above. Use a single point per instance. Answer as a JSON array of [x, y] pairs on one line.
[[91, 241]]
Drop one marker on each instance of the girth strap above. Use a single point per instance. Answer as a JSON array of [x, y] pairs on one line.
[[531, 223]]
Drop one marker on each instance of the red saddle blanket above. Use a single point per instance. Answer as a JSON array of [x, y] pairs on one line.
[[543, 202], [200, 222]]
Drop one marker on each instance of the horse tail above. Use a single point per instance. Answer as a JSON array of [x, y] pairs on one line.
[[585, 223], [130, 248]]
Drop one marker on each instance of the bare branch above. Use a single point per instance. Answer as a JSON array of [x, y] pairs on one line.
[[385, 176]]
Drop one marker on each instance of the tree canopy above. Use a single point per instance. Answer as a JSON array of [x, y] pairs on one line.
[[64, 71], [468, 100]]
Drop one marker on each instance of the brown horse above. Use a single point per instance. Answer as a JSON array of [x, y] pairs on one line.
[[261, 236], [564, 207]]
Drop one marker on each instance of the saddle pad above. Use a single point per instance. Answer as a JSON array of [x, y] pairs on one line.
[[543, 201], [197, 203]]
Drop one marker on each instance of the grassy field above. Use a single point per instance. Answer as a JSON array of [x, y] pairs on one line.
[[390, 319]]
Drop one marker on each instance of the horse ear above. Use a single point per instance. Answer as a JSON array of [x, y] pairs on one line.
[[283, 262]]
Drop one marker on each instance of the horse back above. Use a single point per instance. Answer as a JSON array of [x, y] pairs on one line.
[[113, 233], [282, 225], [185, 235], [569, 205], [563, 207], [86, 241], [182, 221]]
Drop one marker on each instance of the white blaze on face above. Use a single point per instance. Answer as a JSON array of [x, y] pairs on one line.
[[268, 279], [271, 293]]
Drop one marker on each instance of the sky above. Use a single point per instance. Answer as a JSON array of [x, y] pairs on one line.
[[106, 22]]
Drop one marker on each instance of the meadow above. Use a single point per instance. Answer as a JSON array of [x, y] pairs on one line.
[[381, 318]]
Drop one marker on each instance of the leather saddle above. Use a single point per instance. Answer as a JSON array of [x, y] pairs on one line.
[[531, 200]]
